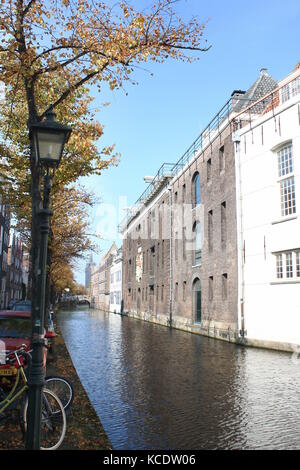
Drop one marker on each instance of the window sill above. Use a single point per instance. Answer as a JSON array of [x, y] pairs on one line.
[[197, 265], [286, 281], [284, 219]]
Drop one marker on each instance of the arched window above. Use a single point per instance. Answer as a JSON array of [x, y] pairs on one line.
[[196, 194], [197, 237]]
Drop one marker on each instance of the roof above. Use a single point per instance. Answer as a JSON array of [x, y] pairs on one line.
[[263, 85], [12, 313]]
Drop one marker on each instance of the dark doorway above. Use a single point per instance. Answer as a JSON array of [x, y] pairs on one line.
[[197, 300]]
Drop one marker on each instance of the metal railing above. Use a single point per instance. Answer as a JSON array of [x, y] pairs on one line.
[[164, 172], [226, 115], [205, 137]]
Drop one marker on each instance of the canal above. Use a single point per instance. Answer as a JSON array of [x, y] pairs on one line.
[[156, 388]]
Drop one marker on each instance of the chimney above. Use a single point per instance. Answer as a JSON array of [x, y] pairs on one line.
[[236, 95], [264, 71]]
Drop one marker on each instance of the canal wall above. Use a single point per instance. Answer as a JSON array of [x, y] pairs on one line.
[[211, 329], [215, 330]]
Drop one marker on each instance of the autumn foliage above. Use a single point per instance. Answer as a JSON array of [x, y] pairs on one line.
[[51, 53]]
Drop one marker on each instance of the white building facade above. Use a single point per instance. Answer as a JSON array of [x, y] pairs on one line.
[[268, 214], [115, 300]]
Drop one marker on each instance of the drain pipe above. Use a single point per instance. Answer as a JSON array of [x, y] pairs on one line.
[[241, 245], [171, 256]]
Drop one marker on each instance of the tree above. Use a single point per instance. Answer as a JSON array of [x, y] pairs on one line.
[[71, 238], [50, 50], [63, 278]]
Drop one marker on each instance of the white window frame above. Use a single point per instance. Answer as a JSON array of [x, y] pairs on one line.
[[287, 266], [290, 90], [286, 179]]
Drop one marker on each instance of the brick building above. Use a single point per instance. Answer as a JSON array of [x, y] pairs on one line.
[[14, 279], [180, 263], [4, 242]]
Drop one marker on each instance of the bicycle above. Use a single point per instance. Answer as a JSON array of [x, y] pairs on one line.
[[53, 416], [62, 388]]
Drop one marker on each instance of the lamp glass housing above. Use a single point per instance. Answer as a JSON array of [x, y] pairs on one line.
[[49, 138], [50, 146]]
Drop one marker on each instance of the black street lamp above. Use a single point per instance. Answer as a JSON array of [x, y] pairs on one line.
[[49, 138]]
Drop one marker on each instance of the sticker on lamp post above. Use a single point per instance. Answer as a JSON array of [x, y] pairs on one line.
[[2, 352]]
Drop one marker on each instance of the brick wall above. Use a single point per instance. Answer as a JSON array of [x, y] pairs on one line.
[[149, 296]]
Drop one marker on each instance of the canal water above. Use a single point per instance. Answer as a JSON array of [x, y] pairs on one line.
[[156, 388]]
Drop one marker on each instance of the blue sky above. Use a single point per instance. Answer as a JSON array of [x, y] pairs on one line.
[[162, 115]]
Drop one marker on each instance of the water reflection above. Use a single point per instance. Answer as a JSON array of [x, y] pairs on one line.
[[156, 388]]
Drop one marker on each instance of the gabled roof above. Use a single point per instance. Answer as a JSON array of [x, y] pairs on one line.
[[263, 85]]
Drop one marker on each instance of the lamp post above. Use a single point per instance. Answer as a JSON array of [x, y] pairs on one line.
[[48, 138]]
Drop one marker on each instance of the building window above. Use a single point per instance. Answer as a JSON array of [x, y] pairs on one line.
[[224, 286], [210, 231], [153, 225], [163, 252], [285, 93], [289, 265], [160, 221], [183, 193], [176, 197], [184, 291], [162, 293], [184, 243], [196, 194], [208, 167], [146, 293], [223, 224], [198, 243], [285, 160], [287, 181], [158, 255], [210, 288], [157, 292], [290, 89], [221, 159], [176, 246], [176, 291], [287, 196]]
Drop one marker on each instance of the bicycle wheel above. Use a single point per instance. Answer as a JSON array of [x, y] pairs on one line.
[[62, 388], [53, 421]]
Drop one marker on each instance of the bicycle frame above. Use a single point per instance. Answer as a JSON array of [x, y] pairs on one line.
[[12, 396]]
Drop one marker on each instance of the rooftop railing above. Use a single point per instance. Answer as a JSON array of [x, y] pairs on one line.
[[287, 89]]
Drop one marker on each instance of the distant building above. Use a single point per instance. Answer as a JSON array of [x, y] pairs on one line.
[[4, 242], [100, 281], [115, 288], [25, 274], [88, 271], [14, 279]]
